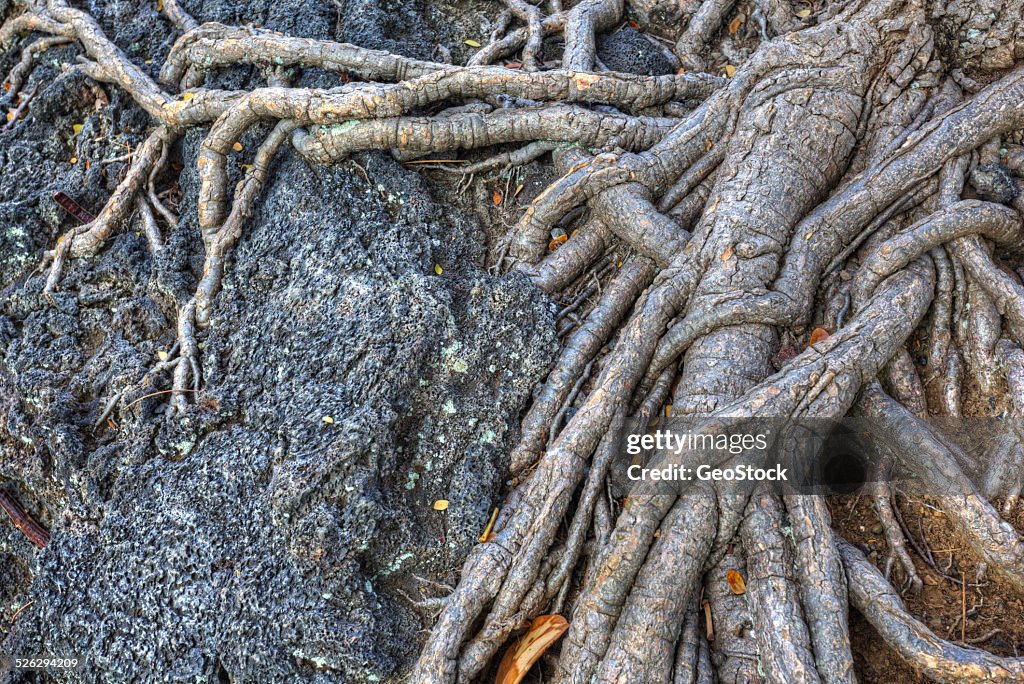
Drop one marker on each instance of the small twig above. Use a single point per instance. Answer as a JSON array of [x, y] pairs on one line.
[[35, 532], [153, 394], [20, 109], [20, 610], [963, 606], [982, 639]]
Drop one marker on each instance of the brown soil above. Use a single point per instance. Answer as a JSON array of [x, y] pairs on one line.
[[995, 616]]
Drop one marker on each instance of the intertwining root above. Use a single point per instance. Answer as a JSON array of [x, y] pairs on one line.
[[714, 221]]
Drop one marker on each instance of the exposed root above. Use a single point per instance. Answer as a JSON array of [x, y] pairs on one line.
[[719, 266], [939, 660], [86, 240], [20, 71], [773, 595], [993, 539], [325, 145], [634, 276], [221, 238]]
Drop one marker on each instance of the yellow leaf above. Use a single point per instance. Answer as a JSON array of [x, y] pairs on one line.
[[188, 96], [441, 505], [329, 420], [488, 531], [472, 43], [77, 128], [237, 147], [437, 269], [148, 61], [159, 6], [668, 410], [527, 649], [162, 355], [519, 189], [730, 70], [74, 160], [804, 13], [736, 583]]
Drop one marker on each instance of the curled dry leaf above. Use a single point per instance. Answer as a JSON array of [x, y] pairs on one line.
[[554, 244], [527, 649], [736, 583], [817, 336]]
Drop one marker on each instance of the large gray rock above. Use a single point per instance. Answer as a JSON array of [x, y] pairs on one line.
[[249, 538]]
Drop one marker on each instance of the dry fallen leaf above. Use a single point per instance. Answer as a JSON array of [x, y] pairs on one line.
[[496, 198], [237, 147], [162, 355], [727, 253], [77, 128], [730, 70], [554, 244], [817, 335], [441, 505], [527, 649], [188, 96], [736, 583], [489, 530], [328, 420], [472, 43], [804, 13], [735, 24], [519, 189]]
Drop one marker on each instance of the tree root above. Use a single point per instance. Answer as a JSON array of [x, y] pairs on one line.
[[86, 240], [773, 595], [939, 660]]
